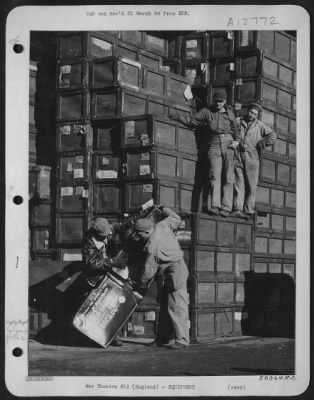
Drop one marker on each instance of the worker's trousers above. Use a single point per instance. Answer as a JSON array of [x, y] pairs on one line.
[[174, 310]]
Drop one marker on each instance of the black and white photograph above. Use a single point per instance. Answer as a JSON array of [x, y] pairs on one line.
[[156, 183]]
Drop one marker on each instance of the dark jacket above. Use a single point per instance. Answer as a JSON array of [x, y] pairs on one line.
[[96, 260]]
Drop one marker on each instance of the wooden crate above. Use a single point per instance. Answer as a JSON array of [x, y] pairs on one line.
[[74, 166], [73, 198], [107, 134], [221, 44], [195, 46], [70, 228], [117, 102], [210, 323], [115, 71], [211, 230], [280, 44], [155, 44], [73, 105], [162, 192], [40, 213], [107, 197], [106, 166], [72, 74], [39, 182], [74, 136], [84, 44]]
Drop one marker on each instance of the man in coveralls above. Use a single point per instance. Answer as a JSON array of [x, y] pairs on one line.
[[97, 253], [164, 255], [223, 134], [254, 137]]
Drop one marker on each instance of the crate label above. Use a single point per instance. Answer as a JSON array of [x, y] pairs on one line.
[[191, 44], [46, 244], [144, 169], [105, 161], [85, 194], [44, 173], [129, 129], [79, 159], [72, 257], [79, 190], [78, 173], [165, 68], [70, 167], [130, 327], [65, 69], [148, 188], [231, 66], [101, 43], [191, 53], [145, 139], [138, 329], [66, 191], [65, 130], [79, 129], [150, 316], [101, 174], [145, 157]]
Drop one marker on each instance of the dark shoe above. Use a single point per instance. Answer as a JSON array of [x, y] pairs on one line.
[[239, 214], [249, 215], [176, 346], [116, 343], [224, 213], [213, 211]]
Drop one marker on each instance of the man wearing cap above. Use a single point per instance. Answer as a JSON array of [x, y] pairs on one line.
[[98, 254], [254, 137], [163, 255], [223, 134]]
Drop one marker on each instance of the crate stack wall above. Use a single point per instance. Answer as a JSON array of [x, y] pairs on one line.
[[41, 146], [116, 149], [110, 85], [266, 72]]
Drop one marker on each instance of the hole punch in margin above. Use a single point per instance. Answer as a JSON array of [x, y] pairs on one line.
[[17, 352], [18, 48], [18, 200]]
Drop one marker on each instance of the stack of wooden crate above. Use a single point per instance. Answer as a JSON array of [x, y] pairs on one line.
[[266, 67], [115, 149], [41, 145], [253, 66]]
